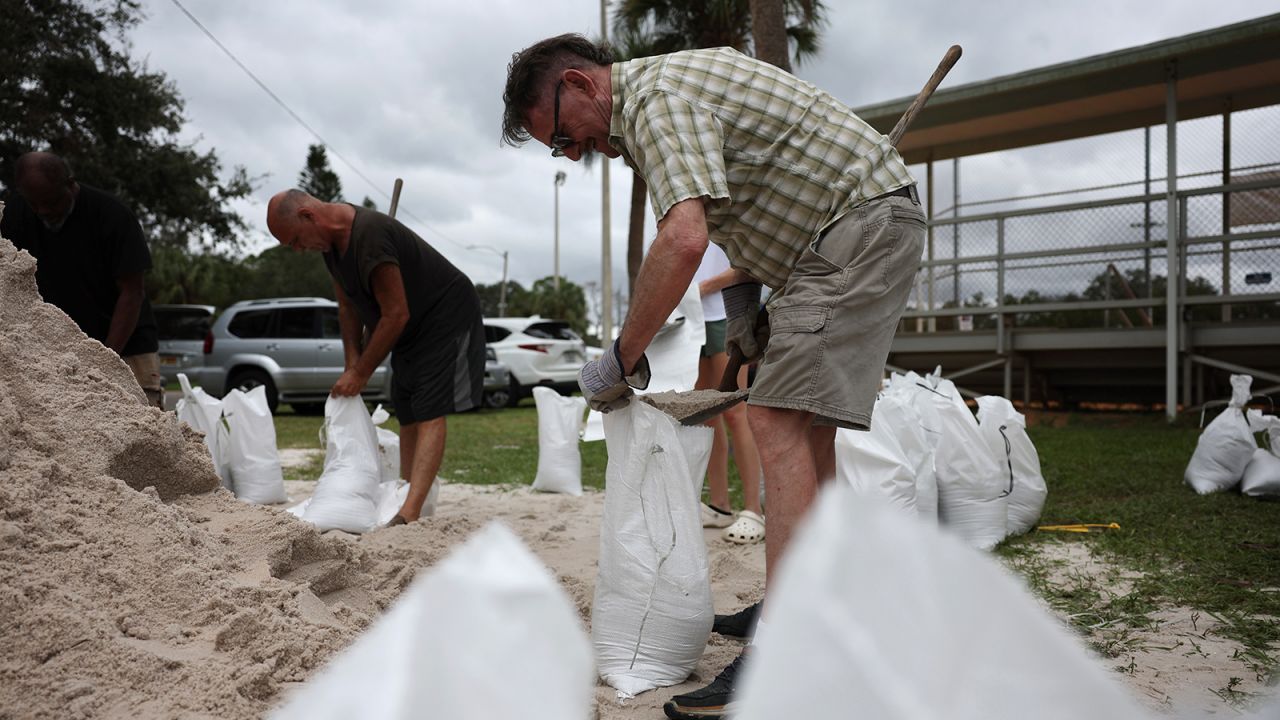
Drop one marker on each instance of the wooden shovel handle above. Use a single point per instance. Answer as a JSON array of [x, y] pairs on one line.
[[948, 60]]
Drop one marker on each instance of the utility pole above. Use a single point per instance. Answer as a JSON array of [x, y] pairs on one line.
[[606, 242]]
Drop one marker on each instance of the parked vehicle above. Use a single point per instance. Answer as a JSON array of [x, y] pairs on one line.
[[291, 346], [497, 381], [182, 329], [538, 351]]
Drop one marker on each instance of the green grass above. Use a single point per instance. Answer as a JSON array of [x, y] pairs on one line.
[[1218, 553], [486, 447]]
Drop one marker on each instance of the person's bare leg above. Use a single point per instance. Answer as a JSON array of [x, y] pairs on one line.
[[745, 454], [782, 437], [425, 456], [822, 438], [709, 371]]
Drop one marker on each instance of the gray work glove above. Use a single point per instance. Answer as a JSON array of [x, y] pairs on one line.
[[741, 308], [604, 385]]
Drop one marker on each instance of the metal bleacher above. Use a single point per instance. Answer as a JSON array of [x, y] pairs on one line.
[[1061, 298]]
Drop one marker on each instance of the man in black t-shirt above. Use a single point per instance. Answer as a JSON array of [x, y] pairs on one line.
[[90, 258], [418, 307]]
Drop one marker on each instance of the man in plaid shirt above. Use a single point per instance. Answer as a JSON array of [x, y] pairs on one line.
[[802, 195]]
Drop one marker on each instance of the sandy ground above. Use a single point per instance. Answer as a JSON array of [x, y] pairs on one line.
[[1176, 667]]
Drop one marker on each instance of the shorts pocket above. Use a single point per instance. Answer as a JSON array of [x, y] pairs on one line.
[[798, 319], [910, 216]]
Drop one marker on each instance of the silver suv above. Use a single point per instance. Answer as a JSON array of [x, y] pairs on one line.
[[292, 346]]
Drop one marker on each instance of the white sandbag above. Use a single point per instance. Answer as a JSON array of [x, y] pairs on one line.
[[560, 421], [1005, 430], [594, 428], [875, 616], [1262, 474], [652, 612], [675, 351], [920, 442], [347, 493], [203, 412], [388, 447], [391, 495], [874, 462], [486, 633], [252, 457], [1226, 446], [973, 491]]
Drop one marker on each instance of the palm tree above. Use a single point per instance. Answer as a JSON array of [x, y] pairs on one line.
[[653, 27]]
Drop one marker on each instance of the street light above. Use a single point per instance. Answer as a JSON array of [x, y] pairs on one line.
[[560, 176], [502, 294]]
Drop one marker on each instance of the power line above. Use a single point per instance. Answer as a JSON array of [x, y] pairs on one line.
[[297, 118]]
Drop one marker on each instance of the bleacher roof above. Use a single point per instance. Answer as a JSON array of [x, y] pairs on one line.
[[1121, 90]]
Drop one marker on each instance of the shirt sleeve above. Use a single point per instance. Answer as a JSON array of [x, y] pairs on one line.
[[679, 148], [380, 252]]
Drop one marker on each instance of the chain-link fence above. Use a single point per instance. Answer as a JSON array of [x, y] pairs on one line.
[[1073, 234]]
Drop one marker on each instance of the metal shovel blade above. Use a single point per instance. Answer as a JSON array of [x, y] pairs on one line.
[[693, 407]]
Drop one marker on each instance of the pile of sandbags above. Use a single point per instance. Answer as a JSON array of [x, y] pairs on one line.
[[1227, 446], [241, 437], [927, 455]]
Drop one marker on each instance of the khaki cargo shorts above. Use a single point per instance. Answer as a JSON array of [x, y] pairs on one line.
[[831, 326]]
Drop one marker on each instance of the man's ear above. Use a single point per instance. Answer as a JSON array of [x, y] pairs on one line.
[[306, 214], [578, 80]]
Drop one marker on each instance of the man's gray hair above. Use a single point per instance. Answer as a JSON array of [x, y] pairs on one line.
[[290, 201]]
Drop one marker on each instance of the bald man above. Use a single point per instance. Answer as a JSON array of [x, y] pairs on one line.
[[418, 307], [90, 258]]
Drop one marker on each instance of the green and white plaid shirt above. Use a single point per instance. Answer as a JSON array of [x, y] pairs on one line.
[[777, 159]]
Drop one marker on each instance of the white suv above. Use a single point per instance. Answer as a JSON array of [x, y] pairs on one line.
[[537, 351]]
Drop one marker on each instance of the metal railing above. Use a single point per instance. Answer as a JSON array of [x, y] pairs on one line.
[[1101, 263]]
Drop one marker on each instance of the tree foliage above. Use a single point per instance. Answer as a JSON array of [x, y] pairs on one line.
[[569, 303], [70, 87], [319, 180], [653, 27]]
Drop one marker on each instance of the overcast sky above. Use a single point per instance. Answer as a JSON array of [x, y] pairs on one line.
[[413, 90]]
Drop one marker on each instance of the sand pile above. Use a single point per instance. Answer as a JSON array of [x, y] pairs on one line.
[[130, 585]]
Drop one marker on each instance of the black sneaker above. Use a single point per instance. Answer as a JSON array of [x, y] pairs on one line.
[[741, 624], [712, 701]]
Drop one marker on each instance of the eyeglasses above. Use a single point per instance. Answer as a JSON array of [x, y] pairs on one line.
[[559, 142]]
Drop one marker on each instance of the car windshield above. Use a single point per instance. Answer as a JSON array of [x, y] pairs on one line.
[[551, 331], [181, 323]]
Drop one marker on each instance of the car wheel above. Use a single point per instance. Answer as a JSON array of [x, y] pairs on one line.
[[514, 394], [246, 380], [308, 408], [499, 398]]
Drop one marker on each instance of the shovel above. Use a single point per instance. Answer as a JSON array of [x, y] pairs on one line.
[[694, 407]]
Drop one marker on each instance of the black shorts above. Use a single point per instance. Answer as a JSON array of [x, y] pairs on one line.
[[433, 377]]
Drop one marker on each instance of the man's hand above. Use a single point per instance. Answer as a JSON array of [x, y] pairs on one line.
[[604, 385], [741, 307], [350, 384]]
